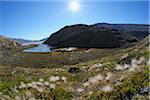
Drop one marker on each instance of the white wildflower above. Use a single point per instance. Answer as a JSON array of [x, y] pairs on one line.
[[29, 85], [39, 83], [135, 66], [46, 83], [64, 79], [107, 63], [99, 77], [119, 67], [33, 83], [52, 85], [132, 69], [109, 75], [148, 62], [133, 61], [93, 80], [80, 90], [28, 94], [22, 85], [54, 78], [86, 84], [1, 94], [7, 97], [40, 89], [41, 80], [31, 98], [126, 66], [90, 92], [34, 86], [15, 89], [57, 78], [14, 72], [100, 64], [141, 60], [136, 50], [107, 88], [125, 56], [17, 98]]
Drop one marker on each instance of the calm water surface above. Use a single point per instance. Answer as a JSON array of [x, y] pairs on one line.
[[39, 48]]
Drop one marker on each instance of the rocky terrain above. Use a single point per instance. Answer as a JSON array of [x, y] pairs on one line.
[[120, 73]]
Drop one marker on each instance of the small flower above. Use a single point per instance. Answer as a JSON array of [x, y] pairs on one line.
[[41, 80], [109, 75], [99, 77], [40, 89], [17, 98], [7, 97], [86, 84], [28, 94], [141, 60], [31, 98], [80, 90], [126, 66], [148, 62], [46, 83], [132, 69], [54, 78], [119, 67], [136, 50], [64, 79], [1, 94], [22, 85], [15, 89], [107, 88], [29, 85], [125, 56], [133, 61], [92, 80], [39, 83], [52, 85]]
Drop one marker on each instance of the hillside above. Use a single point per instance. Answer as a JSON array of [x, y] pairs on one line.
[[138, 30], [88, 36], [103, 73]]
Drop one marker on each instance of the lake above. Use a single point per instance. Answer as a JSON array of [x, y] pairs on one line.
[[39, 48]]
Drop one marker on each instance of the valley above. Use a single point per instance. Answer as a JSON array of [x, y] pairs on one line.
[[81, 73]]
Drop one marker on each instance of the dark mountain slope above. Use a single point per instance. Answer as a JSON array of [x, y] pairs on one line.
[[138, 30], [89, 36]]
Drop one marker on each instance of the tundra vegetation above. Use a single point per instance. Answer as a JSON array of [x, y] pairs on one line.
[[104, 74]]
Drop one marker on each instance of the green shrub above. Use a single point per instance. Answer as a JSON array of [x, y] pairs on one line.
[[61, 94]]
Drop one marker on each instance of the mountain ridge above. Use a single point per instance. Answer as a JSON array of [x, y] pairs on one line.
[[79, 35]]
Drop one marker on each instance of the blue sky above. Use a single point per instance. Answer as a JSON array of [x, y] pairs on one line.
[[38, 19]]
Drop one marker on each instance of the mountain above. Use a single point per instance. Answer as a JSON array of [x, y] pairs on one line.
[[138, 30], [20, 40], [29, 42], [8, 44], [97, 36], [6, 47]]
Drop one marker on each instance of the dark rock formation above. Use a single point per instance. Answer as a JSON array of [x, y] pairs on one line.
[[85, 36], [73, 70]]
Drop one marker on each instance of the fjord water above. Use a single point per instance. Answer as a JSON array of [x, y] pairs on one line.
[[39, 48]]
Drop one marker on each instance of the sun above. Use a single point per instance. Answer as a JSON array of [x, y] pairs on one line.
[[74, 6]]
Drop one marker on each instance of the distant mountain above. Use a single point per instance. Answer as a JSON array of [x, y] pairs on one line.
[[6, 45], [20, 40], [28, 42], [138, 30], [89, 36]]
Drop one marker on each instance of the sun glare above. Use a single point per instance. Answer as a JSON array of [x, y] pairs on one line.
[[74, 6]]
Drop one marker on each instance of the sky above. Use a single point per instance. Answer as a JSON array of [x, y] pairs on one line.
[[35, 19]]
